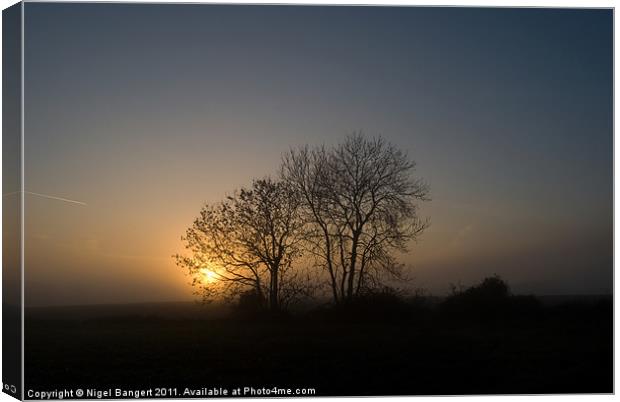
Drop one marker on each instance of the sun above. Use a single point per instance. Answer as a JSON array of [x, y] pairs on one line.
[[208, 276]]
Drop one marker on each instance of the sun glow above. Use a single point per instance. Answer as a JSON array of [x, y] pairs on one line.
[[208, 276]]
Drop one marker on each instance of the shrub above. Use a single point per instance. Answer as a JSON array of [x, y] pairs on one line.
[[485, 301], [250, 301], [380, 305]]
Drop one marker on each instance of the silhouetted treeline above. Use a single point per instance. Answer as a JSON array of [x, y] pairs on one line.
[[489, 302]]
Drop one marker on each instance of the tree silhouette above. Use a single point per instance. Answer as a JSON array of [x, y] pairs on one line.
[[360, 200], [349, 206], [247, 242]]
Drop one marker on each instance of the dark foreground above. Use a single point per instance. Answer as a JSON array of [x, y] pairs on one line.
[[408, 350]]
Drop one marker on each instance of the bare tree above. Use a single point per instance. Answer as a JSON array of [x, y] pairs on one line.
[[247, 242], [305, 172], [360, 200]]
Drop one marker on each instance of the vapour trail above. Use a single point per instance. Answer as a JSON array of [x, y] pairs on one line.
[[51, 197]]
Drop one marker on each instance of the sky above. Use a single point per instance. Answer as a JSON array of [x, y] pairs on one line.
[[145, 112]]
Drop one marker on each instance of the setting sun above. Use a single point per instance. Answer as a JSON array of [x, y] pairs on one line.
[[208, 275]]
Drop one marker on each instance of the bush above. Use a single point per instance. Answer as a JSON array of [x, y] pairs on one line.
[[489, 301], [250, 301], [381, 305]]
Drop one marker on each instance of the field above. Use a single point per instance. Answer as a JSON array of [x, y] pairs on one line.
[[565, 348]]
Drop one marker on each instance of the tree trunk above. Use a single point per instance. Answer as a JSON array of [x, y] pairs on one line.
[[259, 293], [352, 266], [330, 268], [274, 304]]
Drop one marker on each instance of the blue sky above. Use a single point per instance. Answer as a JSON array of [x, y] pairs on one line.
[[144, 112]]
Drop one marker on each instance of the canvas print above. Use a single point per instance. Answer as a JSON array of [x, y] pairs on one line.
[[211, 200]]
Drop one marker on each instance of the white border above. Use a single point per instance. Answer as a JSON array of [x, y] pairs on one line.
[[466, 3]]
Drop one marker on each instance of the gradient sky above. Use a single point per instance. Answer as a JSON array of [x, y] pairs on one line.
[[144, 112]]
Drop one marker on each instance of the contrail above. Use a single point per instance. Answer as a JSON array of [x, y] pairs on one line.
[[51, 197]]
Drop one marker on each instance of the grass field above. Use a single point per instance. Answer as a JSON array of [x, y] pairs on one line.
[[561, 349]]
